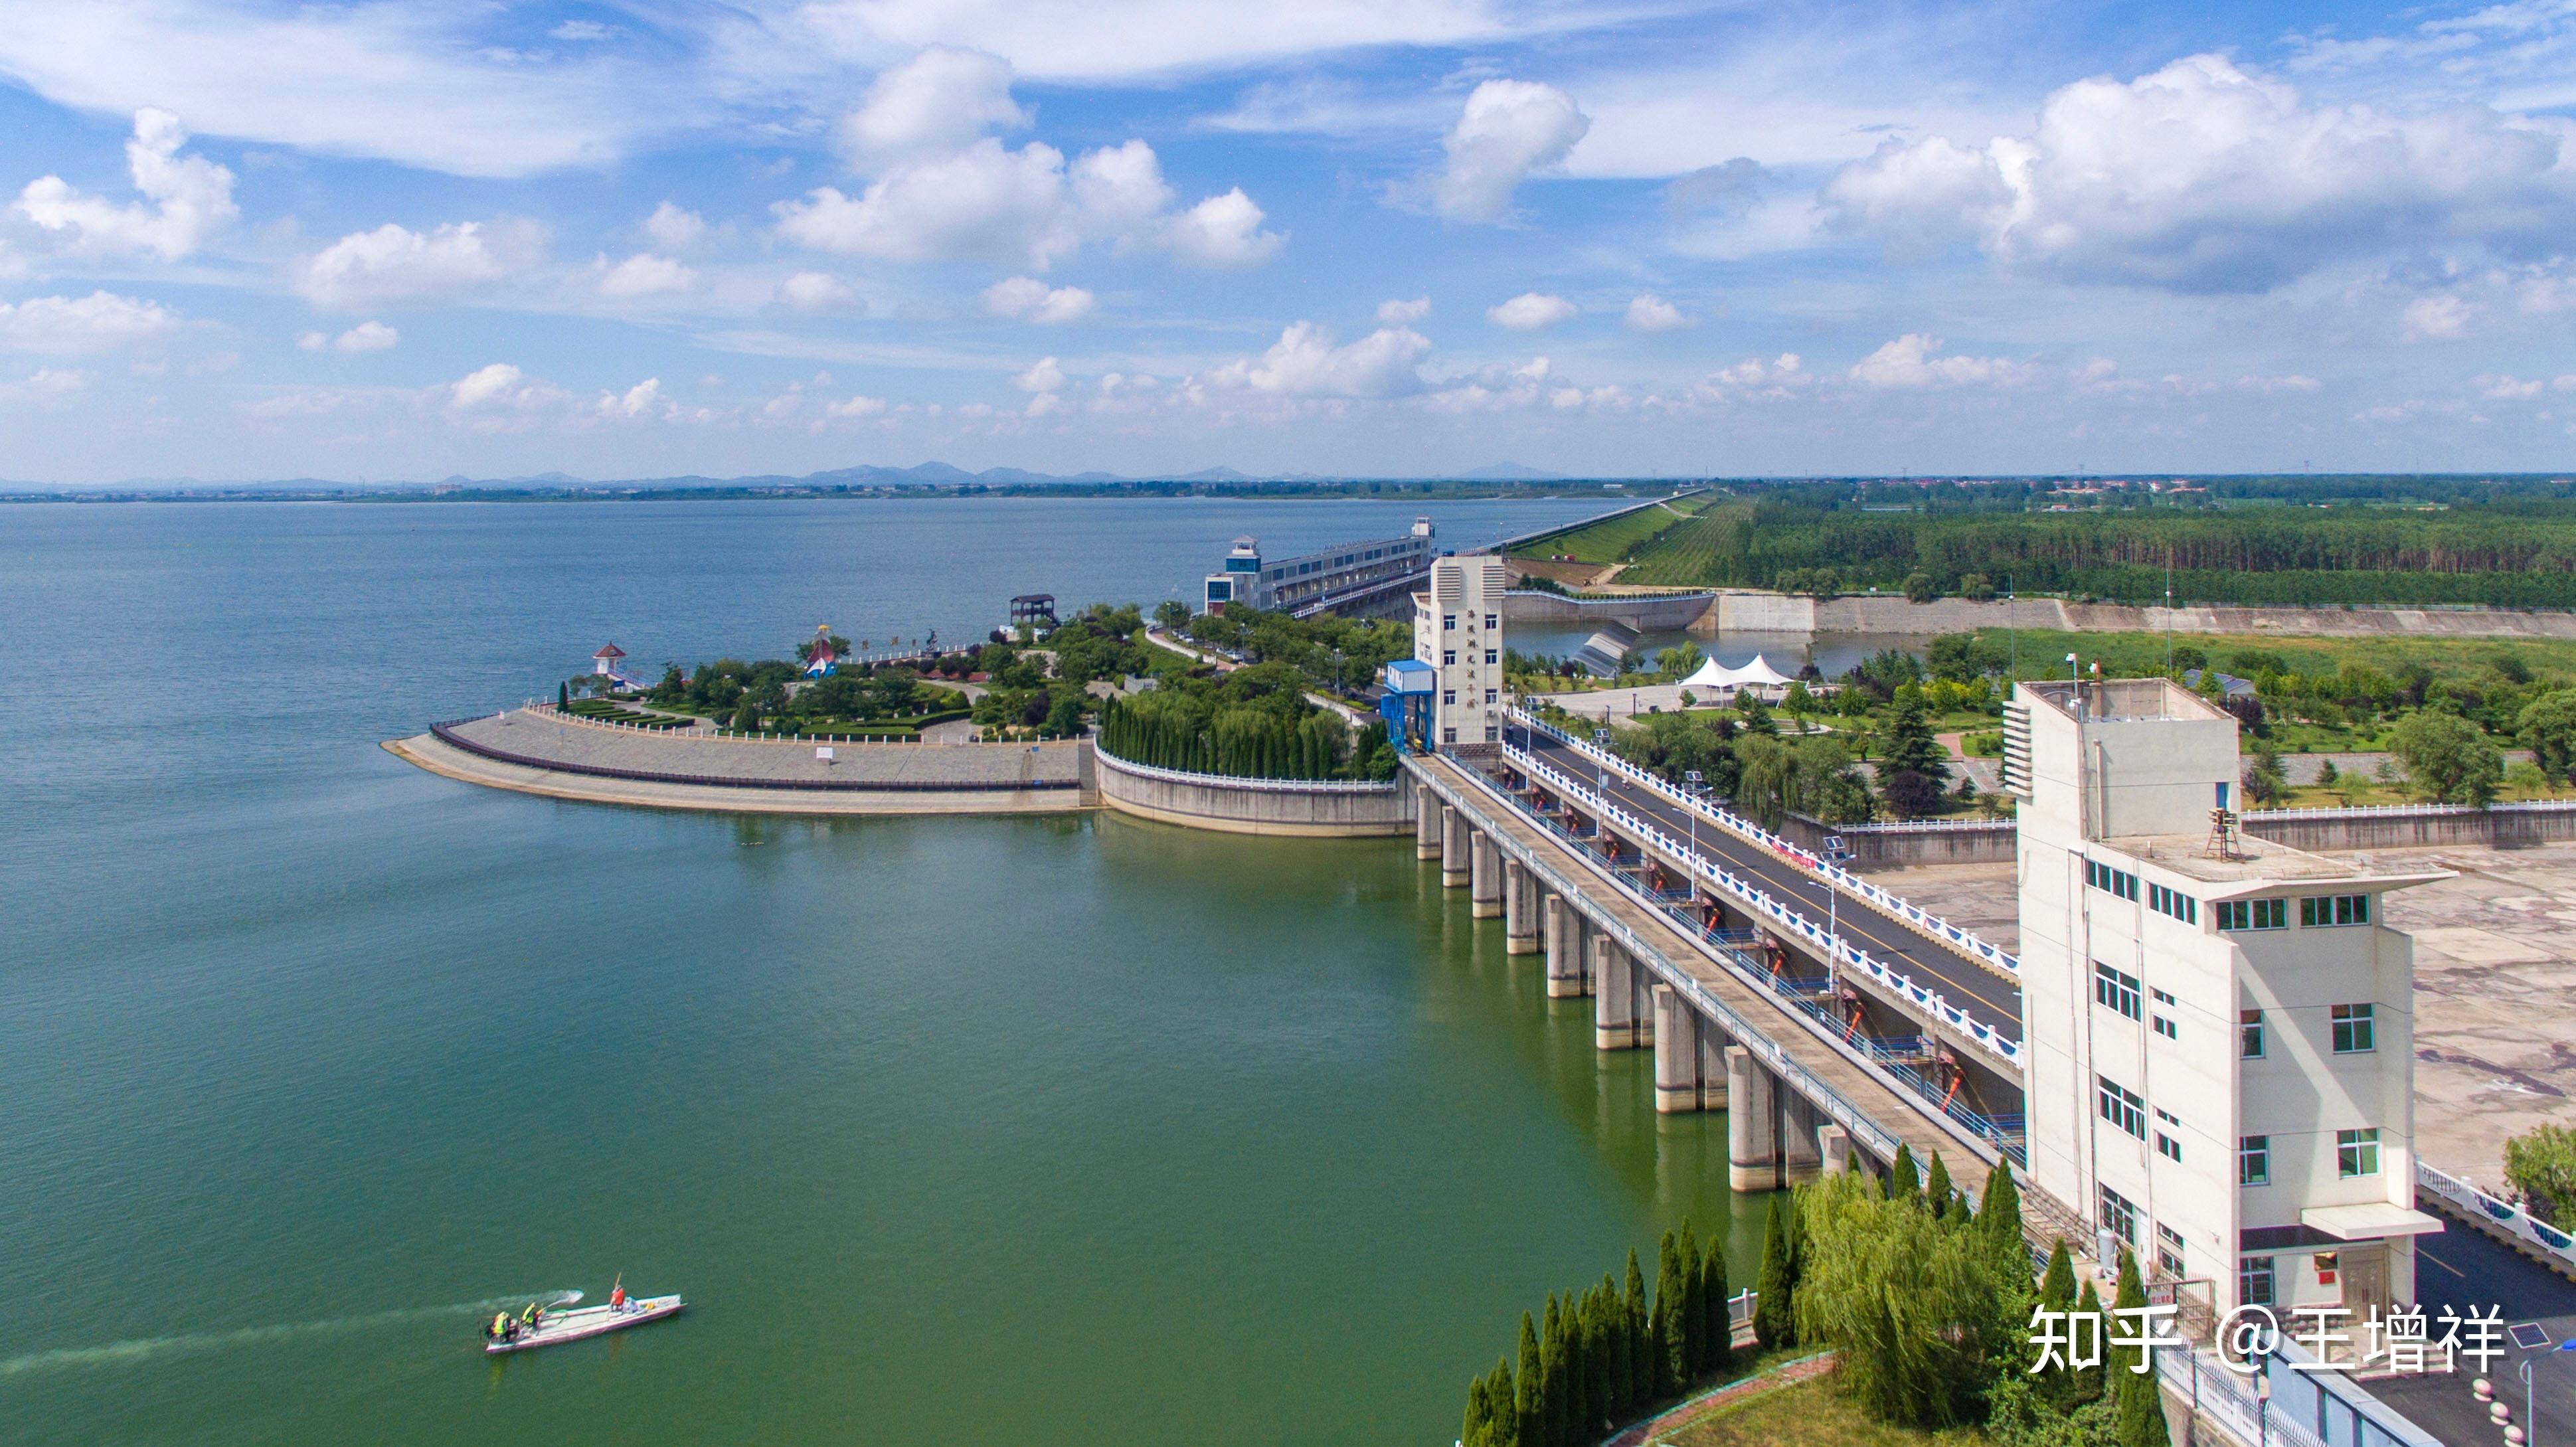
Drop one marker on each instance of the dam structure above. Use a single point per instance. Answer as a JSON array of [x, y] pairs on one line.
[[2203, 1056]]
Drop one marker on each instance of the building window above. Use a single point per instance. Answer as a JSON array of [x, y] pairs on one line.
[[2119, 1217], [1493, 621], [2322, 910], [2173, 902], [1448, 621], [2249, 914], [2254, 1160], [1448, 657], [2249, 1034], [1448, 736], [2115, 988], [1493, 696], [1493, 732], [2118, 882], [2122, 1106], [2357, 1153], [2164, 1026], [1448, 698], [2167, 1145], [2356, 1031], [2254, 1281], [2169, 1251], [1491, 656]]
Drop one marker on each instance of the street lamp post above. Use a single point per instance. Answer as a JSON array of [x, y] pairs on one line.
[[1835, 854], [1694, 787], [2530, 1423]]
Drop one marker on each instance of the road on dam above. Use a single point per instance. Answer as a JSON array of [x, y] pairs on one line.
[[1968, 983]]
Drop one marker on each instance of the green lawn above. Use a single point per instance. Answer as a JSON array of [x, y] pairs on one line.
[[1806, 1415], [2125, 654]]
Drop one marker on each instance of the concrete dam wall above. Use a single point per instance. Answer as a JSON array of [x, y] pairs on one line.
[[1311, 808]]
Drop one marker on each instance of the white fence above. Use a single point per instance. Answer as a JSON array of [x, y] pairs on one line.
[[2503, 1215], [1769, 906], [1965, 941], [1236, 781]]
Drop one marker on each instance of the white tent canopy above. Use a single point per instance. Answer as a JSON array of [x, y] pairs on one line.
[[1757, 674]]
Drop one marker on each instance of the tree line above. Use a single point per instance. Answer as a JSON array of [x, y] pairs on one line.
[[1227, 728], [1926, 1304], [2512, 554]]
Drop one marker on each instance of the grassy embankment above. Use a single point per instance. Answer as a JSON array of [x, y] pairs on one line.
[[1807, 1414], [1611, 539]]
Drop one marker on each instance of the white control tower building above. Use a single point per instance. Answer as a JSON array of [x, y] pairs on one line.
[[2219, 1030]]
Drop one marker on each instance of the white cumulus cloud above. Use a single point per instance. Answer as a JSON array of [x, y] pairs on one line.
[[1029, 299], [674, 228], [395, 263], [1046, 376], [1530, 311], [2204, 177], [1305, 363], [366, 336], [501, 398], [2437, 318], [936, 104], [815, 291], [1652, 313], [1403, 313], [45, 387], [189, 198], [1508, 130], [644, 274], [1908, 362], [99, 322], [1223, 232]]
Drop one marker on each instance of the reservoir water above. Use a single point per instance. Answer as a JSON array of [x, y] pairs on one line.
[[1060, 1131]]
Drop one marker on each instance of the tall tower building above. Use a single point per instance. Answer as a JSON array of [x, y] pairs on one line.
[[2219, 1030], [1458, 631]]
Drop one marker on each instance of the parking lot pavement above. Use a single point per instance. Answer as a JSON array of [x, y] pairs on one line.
[[2460, 1269]]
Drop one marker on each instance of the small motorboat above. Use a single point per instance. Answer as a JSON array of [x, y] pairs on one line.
[[578, 1323]]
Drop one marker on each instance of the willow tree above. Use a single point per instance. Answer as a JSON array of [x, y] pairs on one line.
[[1905, 1302]]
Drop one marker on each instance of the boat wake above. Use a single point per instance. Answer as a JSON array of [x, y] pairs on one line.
[[144, 1349]]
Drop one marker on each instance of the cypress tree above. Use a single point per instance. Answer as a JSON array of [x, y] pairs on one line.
[[2137, 1412], [1525, 1403], [1775, 1322], [1591, 1395], [1717, 1327], [1999, 1215], [1615, 1354], [1476, 1429], [1552, 1377], [2057, 1284], [1641, 1361], [1936, 1187], [1502, 1411], [1693, 1357], [1956, 1218], [1668, 1327], [563, 695], [1902, 1182], [2088, 1380]]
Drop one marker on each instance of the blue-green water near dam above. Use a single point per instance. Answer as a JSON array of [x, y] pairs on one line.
[[1025, 1131]]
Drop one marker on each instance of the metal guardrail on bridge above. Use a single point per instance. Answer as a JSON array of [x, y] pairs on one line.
[[1769, 906], [1966, 942]]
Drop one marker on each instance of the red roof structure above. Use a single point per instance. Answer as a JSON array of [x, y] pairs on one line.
[[611, 651]]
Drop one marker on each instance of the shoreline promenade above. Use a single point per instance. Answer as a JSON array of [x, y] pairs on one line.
[[535, 751]]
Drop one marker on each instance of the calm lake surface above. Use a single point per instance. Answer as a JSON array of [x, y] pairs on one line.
[[1060, 1131]]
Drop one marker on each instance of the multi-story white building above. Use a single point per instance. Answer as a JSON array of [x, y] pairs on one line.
[[1458, 630], [2219, 1030]]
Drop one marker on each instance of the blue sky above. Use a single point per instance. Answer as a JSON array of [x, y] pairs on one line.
[[1353, 236]]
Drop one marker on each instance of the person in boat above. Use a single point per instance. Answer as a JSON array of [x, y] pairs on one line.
[[503, 1329], [617, 1297], [532, 1316]]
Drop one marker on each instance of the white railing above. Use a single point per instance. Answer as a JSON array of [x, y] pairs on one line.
[[2504, 1215], [1769, 907], [2417, 811], [1967, 942], [1234, 781], [1864, 1130]]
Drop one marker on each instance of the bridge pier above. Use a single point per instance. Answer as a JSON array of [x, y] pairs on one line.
[[1752, 1124], [1520, 909], [1569, 971], [1677, 1053], [1801, 1139], [1622, 1010], [1833, 1143], [1560, 931], [1454, 830], [1484, 876], [1428, 812]]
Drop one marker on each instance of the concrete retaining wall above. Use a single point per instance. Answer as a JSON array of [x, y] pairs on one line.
[[2505, 828], [1895, 848], [1253, 806], [1691, 611], [1755, 612]]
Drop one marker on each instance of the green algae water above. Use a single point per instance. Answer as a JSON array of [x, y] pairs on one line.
[[1028, 1131]]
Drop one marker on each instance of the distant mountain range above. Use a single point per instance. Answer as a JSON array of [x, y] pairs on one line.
[[927, 474]]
